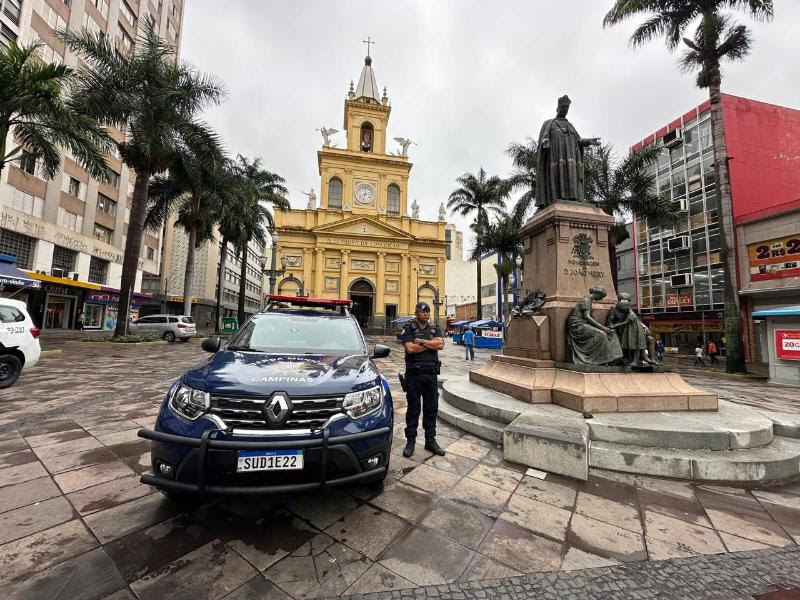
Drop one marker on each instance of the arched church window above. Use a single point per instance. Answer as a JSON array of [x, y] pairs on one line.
[[367, 136], [335, 193], [393, 200]]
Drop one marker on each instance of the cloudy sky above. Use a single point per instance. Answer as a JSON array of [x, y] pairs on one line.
[[464, 78]]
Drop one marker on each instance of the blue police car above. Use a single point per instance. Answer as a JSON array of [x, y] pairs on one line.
[[293, 402]]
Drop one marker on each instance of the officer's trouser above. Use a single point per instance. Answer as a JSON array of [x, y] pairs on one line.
[[422, 394]]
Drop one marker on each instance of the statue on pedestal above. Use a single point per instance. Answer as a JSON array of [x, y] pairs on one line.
[[312, 199], [588, 342], [414, 209], [632, 333], [559, 164], [442, 213]]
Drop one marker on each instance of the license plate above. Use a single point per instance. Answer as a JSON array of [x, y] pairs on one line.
[[269, 460]]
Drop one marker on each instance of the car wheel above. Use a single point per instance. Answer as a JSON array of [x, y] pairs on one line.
[[169, 336], [10, 368]]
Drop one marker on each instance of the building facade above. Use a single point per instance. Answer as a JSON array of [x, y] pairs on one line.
[[626, 266], [360, 243], [69, 232], [679, 271]]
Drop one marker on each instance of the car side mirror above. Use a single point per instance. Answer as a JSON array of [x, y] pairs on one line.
[[211, 344], [380, 351]]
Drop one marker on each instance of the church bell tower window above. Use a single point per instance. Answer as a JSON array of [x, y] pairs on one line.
[[335, 193], [367, 135], [393, 200]]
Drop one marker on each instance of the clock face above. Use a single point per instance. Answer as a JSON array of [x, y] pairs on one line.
[[365, 193]]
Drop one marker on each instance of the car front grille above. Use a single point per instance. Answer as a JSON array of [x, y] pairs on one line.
[[247, 412]]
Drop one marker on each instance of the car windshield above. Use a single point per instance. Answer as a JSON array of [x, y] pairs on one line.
[[299, 334]]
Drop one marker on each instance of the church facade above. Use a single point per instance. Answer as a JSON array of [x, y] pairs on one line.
[[360, 243]]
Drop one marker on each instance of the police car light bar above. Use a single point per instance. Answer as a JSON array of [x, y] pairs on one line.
[[303, 301]]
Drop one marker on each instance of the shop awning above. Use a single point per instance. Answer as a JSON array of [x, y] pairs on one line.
[[11, 275], [786, 311]]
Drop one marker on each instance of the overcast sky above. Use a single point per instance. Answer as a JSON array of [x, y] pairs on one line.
[[464, 78]]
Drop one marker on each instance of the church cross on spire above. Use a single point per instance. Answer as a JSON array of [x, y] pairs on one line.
[[368, 41]]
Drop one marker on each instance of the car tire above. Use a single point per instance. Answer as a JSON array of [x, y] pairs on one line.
[[10, 368], [169, 336]]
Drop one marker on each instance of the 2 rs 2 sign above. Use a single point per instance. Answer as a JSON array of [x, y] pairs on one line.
[[787, 344]]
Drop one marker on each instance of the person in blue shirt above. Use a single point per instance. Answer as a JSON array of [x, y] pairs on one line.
[[469, 344]]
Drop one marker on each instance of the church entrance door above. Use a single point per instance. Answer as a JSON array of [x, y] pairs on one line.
[[362, 293]]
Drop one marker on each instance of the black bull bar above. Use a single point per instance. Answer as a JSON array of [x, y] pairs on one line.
[[205, 442]]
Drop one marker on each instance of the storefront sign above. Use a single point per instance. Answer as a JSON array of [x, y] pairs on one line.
[[680, 299], [180, 299], [787, 344], [774, 259], [686, 327], [492, 334]]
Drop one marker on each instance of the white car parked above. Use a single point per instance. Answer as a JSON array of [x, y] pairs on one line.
[[19, 343]]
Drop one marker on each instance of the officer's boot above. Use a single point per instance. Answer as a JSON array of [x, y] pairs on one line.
[[409, 449], [432, 446]]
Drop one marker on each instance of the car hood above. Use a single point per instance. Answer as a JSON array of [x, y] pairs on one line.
[[253, 373]]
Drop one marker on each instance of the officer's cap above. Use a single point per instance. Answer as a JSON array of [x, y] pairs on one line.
[[423, 306]]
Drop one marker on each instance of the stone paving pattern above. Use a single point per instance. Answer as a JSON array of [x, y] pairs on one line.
[[75, 521]]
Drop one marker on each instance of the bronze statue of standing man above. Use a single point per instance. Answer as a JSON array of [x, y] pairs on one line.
[[559, 164]]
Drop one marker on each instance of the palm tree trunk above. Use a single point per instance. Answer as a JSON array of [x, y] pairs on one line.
[[734, 355], [133, 248], [220, 282], [189, 273], [612, 258], [243, 283], [506, 306], [479, 314]]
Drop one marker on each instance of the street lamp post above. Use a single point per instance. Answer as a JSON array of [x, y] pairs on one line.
[[272, 272], [516, 280]]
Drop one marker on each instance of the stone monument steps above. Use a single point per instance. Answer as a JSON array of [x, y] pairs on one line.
[[737, 444], [480, 426], [732, 427], [481, 401], [778, 461]]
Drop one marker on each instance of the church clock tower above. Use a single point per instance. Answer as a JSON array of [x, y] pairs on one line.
[[362, 177]]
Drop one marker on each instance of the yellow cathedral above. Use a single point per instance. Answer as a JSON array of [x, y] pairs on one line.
[[360, 243]]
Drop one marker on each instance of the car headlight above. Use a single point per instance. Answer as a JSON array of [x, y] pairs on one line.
[[189, 403], [360, 404]]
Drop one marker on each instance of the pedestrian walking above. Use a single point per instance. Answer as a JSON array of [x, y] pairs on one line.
[[712, 352], [422, 341], [660, 350], [469, 344], [698, 355], [79, 321]]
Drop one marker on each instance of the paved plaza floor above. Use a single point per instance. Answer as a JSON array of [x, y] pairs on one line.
[[76, 523]]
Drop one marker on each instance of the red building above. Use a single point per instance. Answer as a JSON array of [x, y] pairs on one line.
[[678, 271]]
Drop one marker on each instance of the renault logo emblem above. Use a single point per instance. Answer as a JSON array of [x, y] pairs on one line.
[[276, 408]]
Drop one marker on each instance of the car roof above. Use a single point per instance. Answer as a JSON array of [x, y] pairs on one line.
[[163, 315], [303, 312], [14, 303]]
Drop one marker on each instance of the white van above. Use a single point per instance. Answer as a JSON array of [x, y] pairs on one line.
[[19, 343]]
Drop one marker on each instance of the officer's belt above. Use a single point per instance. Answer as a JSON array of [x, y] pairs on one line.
[[421, 370]]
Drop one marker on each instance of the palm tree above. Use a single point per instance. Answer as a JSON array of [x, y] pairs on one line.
[[155, 100], [478, 195], [502, 236], [34, 102], [256, 218], [523, 176], [196, 191], [716, 38], [622, 187]]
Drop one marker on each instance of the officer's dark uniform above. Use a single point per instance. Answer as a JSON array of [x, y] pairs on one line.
[[421, 371]]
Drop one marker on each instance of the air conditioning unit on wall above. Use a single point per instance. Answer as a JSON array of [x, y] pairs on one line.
[[677, 243], [57, 272], [681, 280], [673, 138], [683, 204], [73, 275]]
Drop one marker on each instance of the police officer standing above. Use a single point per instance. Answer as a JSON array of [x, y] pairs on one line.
[[422, 340]]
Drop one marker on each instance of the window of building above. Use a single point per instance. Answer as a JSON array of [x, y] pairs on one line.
[[91, 25], [701, 292], [101, 6], [393, 200], [127, 13], [103, 233], [7, 35], [24, 202], [70, 220], [171, 29], [106, 204], [367, 136], [335, 187], [488, 290], [17, 245], [64, 259], [124, 41], [27, 162], [48, 13], [717, 292], [705, 134], [12, 9], [151, 253], [72, 186], [113, 178], [98, 270]]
